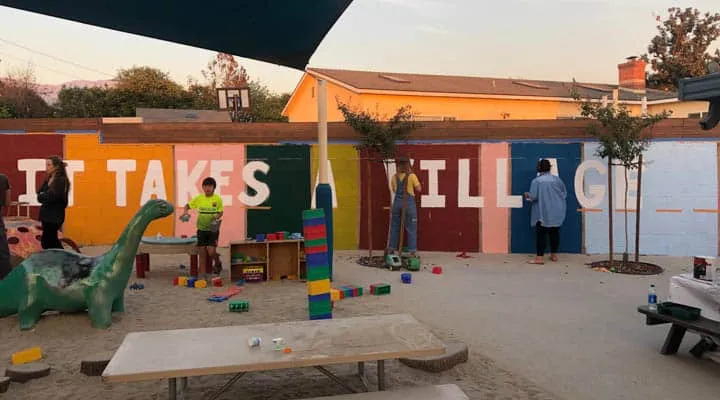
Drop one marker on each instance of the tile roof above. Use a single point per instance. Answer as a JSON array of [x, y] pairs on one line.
[[160, 115], [459, 85]]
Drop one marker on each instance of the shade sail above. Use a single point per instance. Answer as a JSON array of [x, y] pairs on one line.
[[703, 88], [283, 32]]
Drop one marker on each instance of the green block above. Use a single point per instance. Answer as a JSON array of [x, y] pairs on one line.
[[315, 243], [318, 273], [314, 213], [239, 306], [320, 307]]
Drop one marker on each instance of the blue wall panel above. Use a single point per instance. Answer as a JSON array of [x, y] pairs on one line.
[[524, 162], [677, 175]]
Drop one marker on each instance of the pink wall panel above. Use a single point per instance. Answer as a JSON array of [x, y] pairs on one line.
[[225, 163], [494, 221]]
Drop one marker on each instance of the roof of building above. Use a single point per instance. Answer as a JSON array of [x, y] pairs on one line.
[[159, 115], [469, 85]]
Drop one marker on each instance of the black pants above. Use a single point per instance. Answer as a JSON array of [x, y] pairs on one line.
[[541, 240], [4, 251], [49, 239]]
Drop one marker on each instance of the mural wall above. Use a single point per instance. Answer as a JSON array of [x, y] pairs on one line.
[[471, 199]]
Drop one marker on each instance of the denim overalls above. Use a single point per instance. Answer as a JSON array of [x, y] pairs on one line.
[[410, 216]]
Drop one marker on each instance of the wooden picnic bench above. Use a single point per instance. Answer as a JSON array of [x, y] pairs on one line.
[[438, 392], [182, 353], [706, 328]]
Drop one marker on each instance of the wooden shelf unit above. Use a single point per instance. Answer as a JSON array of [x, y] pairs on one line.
[[282, 258]]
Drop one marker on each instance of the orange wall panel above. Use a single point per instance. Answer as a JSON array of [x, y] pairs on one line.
[[111, 184]]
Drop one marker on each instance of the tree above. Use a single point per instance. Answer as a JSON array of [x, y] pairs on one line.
[[681, 49], [6, 112], [378, 140], [225, 71], [621, 141], [148, 80], [19, 93]]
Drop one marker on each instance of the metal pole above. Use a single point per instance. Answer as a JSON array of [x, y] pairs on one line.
[[322, 131], [323, 192]]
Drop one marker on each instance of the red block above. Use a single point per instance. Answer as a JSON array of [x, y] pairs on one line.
[[217, 282], [175, 281], [437, 270], [314, 232], [272, 236], [316, 249]]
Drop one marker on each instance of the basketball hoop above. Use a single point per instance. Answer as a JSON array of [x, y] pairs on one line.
[[234, 98]]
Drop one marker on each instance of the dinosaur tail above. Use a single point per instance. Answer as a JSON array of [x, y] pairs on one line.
[[12, 290]]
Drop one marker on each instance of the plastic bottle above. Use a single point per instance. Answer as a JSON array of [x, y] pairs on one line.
[[652, 298]]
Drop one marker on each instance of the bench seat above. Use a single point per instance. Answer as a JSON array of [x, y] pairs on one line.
[[438, 392], [702, 326]]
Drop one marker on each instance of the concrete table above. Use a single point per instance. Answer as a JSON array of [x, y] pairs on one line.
[[183, 353], [165, 245], [685, 289]]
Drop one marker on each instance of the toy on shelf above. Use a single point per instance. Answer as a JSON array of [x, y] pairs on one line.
[[239, 306], [260, 237], [380, 289], [406, 277], [27, 356], [318, 264], [296, 236]]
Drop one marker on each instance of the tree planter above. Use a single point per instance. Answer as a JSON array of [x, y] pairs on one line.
[[628, 268]]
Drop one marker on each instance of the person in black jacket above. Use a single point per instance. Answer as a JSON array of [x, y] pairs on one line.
[[53, 198]]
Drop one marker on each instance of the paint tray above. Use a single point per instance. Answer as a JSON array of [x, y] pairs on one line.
[[679, 311]]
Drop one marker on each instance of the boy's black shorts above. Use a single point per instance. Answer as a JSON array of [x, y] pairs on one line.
[[207, 238]]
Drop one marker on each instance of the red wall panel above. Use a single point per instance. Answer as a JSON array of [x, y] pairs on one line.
[[21, 146], [449, 228]]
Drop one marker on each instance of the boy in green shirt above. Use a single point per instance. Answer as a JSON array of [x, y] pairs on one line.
[[210, 211]]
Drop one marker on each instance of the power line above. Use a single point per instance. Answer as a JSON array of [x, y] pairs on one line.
[[55, 58], [41, 66]]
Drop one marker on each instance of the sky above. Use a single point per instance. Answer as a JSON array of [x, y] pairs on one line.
[[529, 39]]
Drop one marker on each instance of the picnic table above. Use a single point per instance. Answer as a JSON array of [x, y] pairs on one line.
[[179, 354], [709, 331]]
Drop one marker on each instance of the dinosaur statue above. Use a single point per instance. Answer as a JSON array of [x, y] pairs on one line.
[[65, 281]]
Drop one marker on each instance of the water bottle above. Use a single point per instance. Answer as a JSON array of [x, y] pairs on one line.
[[652, 299]]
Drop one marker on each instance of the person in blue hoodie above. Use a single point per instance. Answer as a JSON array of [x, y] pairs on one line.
[[548, 207]]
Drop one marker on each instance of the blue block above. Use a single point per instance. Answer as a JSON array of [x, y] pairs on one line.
[[314, 222], [406, 277], [317, 260], [191, 282], [323, 316], [319, 297]]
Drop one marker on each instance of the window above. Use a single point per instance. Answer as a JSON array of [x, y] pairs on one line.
[[697, 115]]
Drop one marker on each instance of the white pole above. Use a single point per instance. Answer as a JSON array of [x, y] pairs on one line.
[[322, 132]]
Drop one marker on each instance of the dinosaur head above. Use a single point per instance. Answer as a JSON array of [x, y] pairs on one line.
[[158, 208]]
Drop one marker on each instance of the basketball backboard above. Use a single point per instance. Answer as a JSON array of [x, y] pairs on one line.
[[228, 96]]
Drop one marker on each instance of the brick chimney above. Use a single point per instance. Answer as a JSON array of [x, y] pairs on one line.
[[631, 74]]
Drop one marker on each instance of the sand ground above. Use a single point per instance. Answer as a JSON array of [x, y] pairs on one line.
[[559, 331]]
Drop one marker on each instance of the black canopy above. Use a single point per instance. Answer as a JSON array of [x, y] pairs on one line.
[[283, 32]]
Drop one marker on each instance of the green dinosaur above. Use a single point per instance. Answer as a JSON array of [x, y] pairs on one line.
[[65, 281]]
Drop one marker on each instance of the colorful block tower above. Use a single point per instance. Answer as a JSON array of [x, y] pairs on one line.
[[318, 264]]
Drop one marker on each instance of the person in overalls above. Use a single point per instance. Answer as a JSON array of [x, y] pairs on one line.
[[408, 184]]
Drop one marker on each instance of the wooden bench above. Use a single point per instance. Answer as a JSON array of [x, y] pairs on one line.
[[439, 392], [706, 328]]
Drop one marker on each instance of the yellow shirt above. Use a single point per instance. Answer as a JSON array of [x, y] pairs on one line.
[[412, 182], [207, 208]]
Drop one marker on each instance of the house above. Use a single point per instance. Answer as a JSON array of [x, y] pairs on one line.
[[445, 97]]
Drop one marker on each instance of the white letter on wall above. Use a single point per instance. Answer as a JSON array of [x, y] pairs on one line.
[[331, 180], [433, 199], [464, 198], [262, 189], [217, 167], [186, 183], [503, 199], [154, 182], [597, 191], [121, 168], [31, 166], [73, 166]]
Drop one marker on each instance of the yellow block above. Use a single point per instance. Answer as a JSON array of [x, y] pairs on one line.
[[26, 356], [200, 284], [318, 287], [334, 295], [182, 280]]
